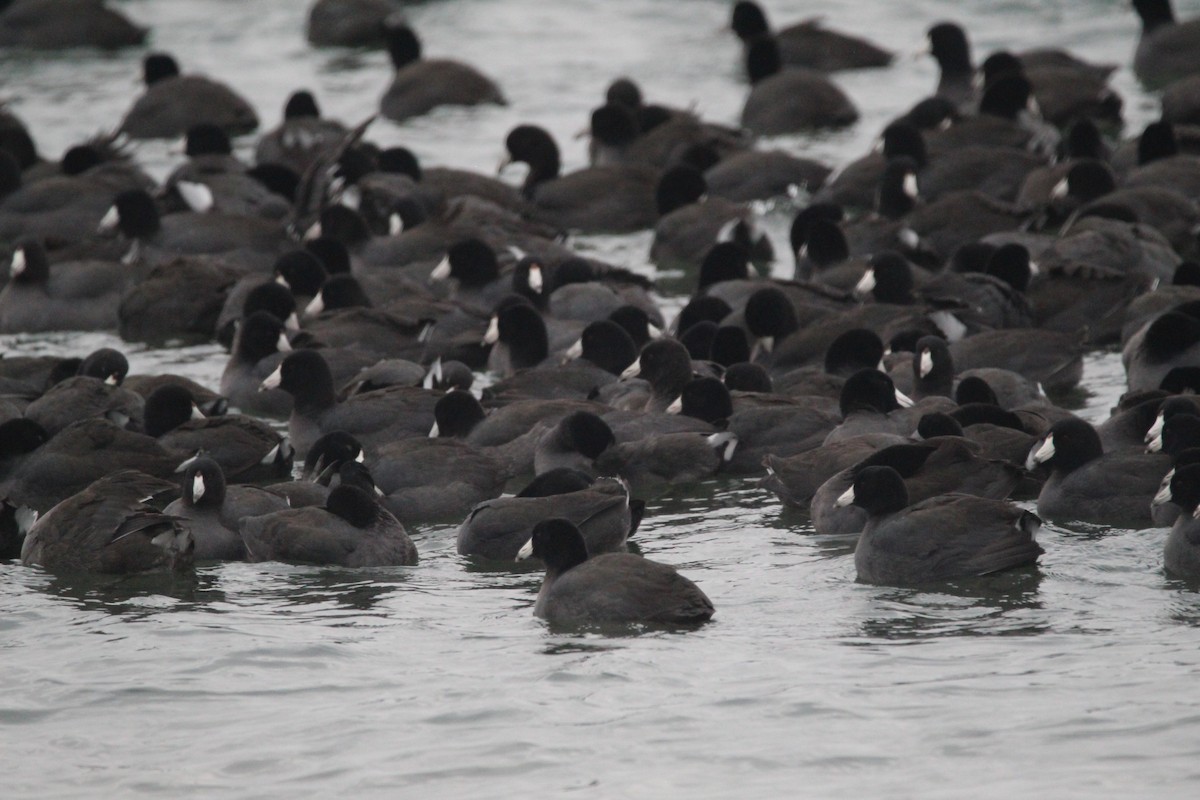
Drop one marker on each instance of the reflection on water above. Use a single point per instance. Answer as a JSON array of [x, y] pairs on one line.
[[990, 605]]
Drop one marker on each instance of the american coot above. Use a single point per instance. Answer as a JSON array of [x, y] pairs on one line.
[[172, 103], [1181, 554], [349, 23], [497, 529], [107, 528], [54, 24], [1166, 49], [42, 471], [247, 449], [210, 511], [809, 43], [585, 588], [930, 468], [374, 417], [790, 100], [422, 84], [350, 530], [616, 199], [1088, 485], [942, 538], [302, 136], [81, 295]]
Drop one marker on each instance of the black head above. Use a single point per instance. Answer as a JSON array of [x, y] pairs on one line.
[[203, 483], [272, 297], [344, 224], [353, 505], [1068, 445], [747, 377], [533, 146], [521, 328], [974, 389], [473, 262], [339, 291], [1007, 97], [137, 215], [168, 407], [852, 351], [20, 436], [331, 451], [278, 178], [1088, 180], [938, 424], [457, 413], [558, 543], [80, 158], [301, 272], [1182, 380], [607, 345], [1169, 335], [702, 308], [868, 390], [749, 20], [1180, 432], [679, 186], [332, 254], [1010, 263], [729, 346], [998, 65], [624, 92], [301, 105], [403, 46], [889, 279], [157, 67], [206, 139], [698, 339], [725, 261], [615, 125], [826, 245], [707, 399], [972, 257], [878, 490], [1083, 140], [798, 233], [636, 323], [30, 263], [1154, 13], [305, 375], [769, 314], [10, 173], [933, 367], [17, 143], [1187, 273], [1185, 487], [585, 433], [400, 161], [666, 365], [1157, 141], [904, 139], [949, 46], [105, 364], [259, 335]]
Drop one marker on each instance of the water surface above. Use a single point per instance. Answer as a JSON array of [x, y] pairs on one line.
[[1077, 680]]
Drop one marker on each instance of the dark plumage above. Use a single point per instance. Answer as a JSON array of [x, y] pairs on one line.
[[580, 588], [107, 528], [942, 538], [350, 530]]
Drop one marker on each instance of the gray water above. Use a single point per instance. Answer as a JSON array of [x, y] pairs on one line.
[[436, 681]]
